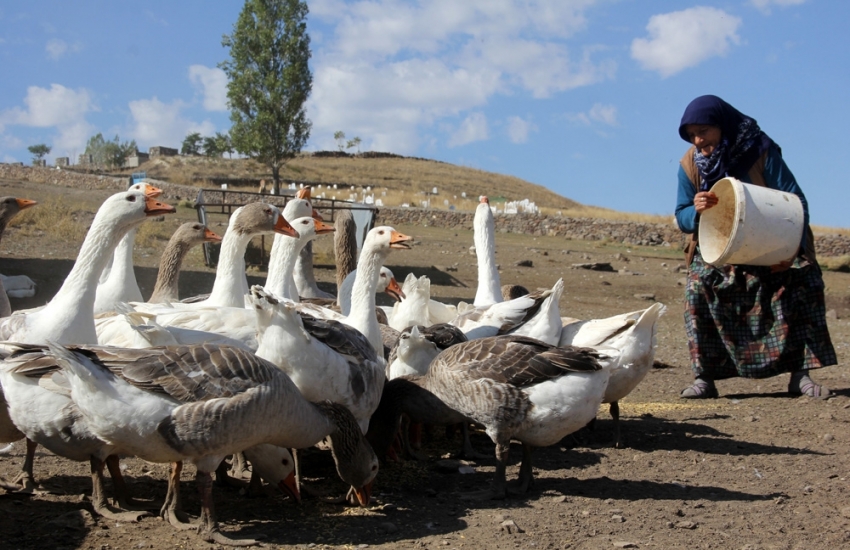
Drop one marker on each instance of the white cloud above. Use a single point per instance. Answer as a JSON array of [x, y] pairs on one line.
[[212, 83], [157, 123], [418, 63], [683, 39], [598, 113], [57, 107], [473, 128], [57, 48], [518, 129], [764, 5]]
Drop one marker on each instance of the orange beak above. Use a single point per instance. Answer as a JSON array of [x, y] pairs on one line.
[[303, 193], [322, 227], [283, 227], [290, 487], [151, 191], [316, 215], [211, 236], [155, 208], [394, 290], [25, 203], [400, 240], [364, 494]]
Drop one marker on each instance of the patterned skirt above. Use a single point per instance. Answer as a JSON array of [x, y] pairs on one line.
[[745, 321]]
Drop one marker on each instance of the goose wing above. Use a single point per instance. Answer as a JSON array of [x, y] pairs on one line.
[[341, 338]]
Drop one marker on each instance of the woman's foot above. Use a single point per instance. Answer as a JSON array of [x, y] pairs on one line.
[[702, 388], [801, 384]]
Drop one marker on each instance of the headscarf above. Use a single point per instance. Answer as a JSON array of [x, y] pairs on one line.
[[742, 142]]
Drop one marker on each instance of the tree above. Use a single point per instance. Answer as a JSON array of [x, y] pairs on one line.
[[191, 144], [339, 136], [269, 82], [211, 147], [223, 143], [109, 154], [353, 142], [38, 151]]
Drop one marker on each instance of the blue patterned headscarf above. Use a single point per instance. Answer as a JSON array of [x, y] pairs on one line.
[[741, 140]]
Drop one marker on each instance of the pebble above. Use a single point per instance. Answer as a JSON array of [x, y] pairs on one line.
[[623, 544], [511, 527], [828, 437], [617, 518], [686, 525], [562, 498], [650, 297], [845, 512]]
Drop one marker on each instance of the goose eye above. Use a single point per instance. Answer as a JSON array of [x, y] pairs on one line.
[[380, 232], [374, 467], [285, 462], [131, 198]]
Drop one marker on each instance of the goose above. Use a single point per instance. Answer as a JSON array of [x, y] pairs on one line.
[[9, 208], [38, 404], [279, 276], [418, 345], [118, 282], [69, 316], [345, 247], [416, 306], [484, 236], [531, 315], [519, 388], [188, 235], [509, 292], [280, 281], [305, 280], [634, 336], [386, 283], [201, 403]]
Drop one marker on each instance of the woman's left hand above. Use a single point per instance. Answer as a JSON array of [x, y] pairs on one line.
[[704, 200]]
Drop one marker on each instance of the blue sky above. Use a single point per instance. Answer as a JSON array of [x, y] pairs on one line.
[[581, 96]]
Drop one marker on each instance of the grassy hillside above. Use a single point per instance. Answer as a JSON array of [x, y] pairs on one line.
[[394, 179]]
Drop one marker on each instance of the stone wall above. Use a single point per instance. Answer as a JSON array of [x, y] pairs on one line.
[[634, 233]]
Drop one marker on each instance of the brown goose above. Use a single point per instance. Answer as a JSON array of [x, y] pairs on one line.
[[519, 388], [9, 208], [187, 235], [202, 403]]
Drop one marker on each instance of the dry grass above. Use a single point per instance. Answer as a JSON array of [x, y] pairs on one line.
[[64, 220], [838, 263]]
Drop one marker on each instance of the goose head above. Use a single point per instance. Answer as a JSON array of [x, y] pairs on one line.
[[416, 350], [146, 188], [388, 284], [275, 465], [10, 206], [384, 238], [125, 209], [259, 217], [356, 462], [301, 206], [309, 228], [195, 233]]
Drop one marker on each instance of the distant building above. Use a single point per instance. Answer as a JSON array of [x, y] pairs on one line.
[[86, 159], [136, 160], [162, 152], [63, 161], [39, 162]]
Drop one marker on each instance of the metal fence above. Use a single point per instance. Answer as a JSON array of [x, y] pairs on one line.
[[222, 202]]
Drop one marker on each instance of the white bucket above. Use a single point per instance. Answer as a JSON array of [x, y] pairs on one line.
[[750, 225]]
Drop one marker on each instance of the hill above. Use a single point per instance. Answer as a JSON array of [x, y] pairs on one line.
[[393, 178]]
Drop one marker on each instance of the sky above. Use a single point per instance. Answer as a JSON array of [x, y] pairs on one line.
[[583, 97]]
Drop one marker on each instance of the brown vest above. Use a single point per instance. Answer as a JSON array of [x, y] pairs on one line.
[[756, 175]]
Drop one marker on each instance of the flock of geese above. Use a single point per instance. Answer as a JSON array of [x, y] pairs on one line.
[[97, 373]]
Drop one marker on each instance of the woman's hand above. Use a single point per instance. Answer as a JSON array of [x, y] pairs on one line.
[[704, 200]]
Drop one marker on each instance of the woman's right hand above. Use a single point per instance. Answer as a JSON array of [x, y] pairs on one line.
[[704, 200]]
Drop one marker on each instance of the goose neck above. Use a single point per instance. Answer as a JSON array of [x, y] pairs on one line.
[[280, 280], [167, 279], [230, 276]]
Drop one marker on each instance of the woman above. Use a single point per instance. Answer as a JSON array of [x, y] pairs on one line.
[[742, 320]]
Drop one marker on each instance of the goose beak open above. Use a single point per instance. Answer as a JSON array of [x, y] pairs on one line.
[[322, 227], [25, 203], [364, 494], [394, 290], [211, 236], [400, 240], [283, 227], [155, 208]]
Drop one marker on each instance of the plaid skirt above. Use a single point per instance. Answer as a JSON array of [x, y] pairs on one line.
[[743, 320]]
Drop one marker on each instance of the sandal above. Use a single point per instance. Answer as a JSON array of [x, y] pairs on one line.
[[807, 386], [701, 389]]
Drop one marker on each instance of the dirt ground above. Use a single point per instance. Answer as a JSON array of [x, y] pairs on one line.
[[754, 469]]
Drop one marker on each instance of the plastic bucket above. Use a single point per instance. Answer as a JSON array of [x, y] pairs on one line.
[[750, 225]]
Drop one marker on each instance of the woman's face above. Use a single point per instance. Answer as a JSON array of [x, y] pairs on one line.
[[704, 136]]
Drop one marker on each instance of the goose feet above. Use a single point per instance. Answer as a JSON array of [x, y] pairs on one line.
[[98, 498], [171, 510], [207, 527]]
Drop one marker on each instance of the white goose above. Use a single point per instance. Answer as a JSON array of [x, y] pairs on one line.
[[305, 279], [519, 388], [386, 283], [280, 277], [484, 235], [69, 316], [633, 335], [201, 403], [417, 308], [285, 253]]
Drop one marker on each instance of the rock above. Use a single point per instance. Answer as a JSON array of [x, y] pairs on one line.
[[828, 437], [832, 315], [524, 263], [605, 283], [559, 499], [511, 527], [617, 518], [686, 525], [845, 512], [594, 266], [650, 297], [623, 544]]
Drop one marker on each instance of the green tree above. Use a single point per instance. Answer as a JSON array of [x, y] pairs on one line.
[[223, 143], [353, 142], [38, 151], [339, 136], [109, 154], [192, 144], [269, 81], [211, 147]]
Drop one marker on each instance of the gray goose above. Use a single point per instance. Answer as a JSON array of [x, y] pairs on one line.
[[187, 236], [519, 388], [201, 403]]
